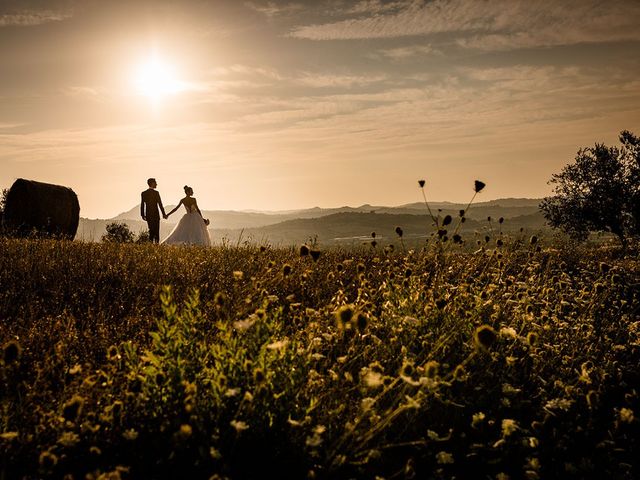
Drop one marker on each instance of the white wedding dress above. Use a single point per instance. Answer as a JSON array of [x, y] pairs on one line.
[[190, 230]]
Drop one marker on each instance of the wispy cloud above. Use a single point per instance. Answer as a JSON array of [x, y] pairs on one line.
[[33, 18], [401, 53], [274, 9], [500, 24], [346, 81]]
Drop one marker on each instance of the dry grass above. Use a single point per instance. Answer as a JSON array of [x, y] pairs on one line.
[[518, 360]]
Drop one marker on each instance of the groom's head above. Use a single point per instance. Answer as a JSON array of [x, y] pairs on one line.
[[152, 183]]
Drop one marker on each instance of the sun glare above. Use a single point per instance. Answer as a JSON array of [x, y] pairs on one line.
[[156, 79]]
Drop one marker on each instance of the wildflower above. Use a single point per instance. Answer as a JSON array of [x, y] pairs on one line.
[[304, 250], [48, 460], [278, 344], [444, 458], [431, 369], [239, 425], [478, 186], [184, 433], [484, 336], [508, 427], [372, 379], [68, 439], [361, 321], [11, 352], [399, 231], [508, 332], [407, 369], [220, 299], [8, 436], [626, 415], [344, 315], [72, 409], [421, 183], [477, 419], [130, 434]]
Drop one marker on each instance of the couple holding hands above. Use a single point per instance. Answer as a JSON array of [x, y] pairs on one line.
[[190, 230]]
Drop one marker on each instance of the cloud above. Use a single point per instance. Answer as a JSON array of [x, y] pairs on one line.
[[499, 24], [273, 9], [346, 81], [32, 18], [401, 53]]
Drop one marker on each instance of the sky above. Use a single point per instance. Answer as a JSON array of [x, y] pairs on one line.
[[272, 105]]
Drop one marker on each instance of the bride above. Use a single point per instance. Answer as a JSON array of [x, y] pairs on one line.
[[192, 228]]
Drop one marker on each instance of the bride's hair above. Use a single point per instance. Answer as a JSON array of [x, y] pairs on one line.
[[188, 190]]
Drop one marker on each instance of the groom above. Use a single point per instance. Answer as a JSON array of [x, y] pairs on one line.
[[149, 210]]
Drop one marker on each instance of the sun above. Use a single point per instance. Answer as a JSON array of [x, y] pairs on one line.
[[155, 78]]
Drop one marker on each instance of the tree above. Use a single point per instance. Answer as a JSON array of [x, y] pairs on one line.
[[599, 192], [118, 233]]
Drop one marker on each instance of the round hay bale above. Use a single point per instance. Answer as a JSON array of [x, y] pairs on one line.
[[42, 209]]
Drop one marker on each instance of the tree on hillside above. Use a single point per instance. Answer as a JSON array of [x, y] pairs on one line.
[[599, 192], [118, 233]]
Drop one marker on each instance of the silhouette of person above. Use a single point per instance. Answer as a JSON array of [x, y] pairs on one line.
[[149, 206]]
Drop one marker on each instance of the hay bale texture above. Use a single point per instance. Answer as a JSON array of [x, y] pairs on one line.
[[42, 209]]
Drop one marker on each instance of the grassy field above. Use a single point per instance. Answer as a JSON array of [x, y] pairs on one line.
[[138, 361]]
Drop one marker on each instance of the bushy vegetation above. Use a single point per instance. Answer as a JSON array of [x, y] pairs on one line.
[[600, 192], [133, 360]]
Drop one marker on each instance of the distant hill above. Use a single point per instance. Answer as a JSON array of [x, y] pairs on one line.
[[342, 225]]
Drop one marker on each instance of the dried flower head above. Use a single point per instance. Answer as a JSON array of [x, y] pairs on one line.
[[11, 352], [304, 250], [485, 336], [421, 183], [361, 321], [72, 409], [315, 254], [478, 186], [399, 231], [344, 315]]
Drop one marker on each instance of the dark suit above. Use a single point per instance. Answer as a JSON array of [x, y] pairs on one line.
[[150, 207]]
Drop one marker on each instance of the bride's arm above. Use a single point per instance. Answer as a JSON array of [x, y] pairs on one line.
[[177, 207], [197, 208]]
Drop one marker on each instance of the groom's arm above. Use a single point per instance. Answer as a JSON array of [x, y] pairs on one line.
[[161, 207], [142, 207]]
